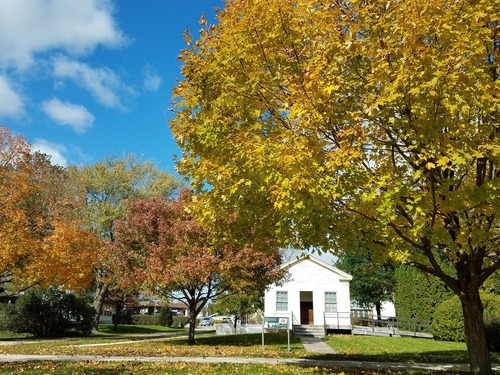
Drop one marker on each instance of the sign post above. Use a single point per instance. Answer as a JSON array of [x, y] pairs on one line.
[[275, 323]]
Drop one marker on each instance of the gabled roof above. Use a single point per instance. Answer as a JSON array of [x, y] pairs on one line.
[[343, 276]]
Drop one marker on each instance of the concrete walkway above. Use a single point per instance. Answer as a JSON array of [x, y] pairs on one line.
[[316, 345], [237, 360]]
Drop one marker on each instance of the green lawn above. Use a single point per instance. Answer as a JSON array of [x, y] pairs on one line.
[[403, 349]]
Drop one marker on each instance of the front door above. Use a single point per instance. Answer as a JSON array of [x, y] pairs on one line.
[[306, 308]]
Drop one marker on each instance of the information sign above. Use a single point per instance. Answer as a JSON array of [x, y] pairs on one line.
[[278, 323]]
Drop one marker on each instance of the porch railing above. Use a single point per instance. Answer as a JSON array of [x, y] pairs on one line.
[[337, 320]]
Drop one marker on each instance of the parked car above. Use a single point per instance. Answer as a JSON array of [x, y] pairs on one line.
[[227, 320], [206, 321]]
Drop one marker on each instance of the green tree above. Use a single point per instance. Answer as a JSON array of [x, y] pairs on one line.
[[492, 285], [239, 304], [330, 124], [166, 317], [447, 324], [109, 186], [372, 283]]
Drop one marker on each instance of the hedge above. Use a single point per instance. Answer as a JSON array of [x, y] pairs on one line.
[[417, 294], [145, 320], [448, 321], [180, 321]]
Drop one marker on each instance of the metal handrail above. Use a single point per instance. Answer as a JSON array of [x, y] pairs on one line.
[[414, 325], [338, 316]]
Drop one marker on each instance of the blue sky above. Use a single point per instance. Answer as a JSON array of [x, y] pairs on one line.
[[82, 79]]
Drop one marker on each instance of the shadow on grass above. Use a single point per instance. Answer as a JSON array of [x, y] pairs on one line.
[[15, 339], [457, 356], [135, 329], [7, 336]]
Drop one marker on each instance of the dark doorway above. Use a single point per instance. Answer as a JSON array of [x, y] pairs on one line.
[[306, 308]]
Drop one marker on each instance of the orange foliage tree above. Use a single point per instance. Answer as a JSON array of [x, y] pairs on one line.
[[42, 242]]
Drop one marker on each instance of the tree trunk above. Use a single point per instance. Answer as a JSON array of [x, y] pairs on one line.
[[378, 308], [192, 326], [100, 295], [475, 334]]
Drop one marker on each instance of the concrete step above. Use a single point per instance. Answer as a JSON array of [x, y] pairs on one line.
[[309, 331]]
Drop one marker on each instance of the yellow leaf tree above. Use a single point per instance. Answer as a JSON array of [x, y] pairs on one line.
[[108, 187], [328, 124]]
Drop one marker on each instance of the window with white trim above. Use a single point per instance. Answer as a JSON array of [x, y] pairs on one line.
[[331, 302], [281, 301]]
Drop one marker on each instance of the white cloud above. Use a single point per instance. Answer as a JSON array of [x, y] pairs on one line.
[[11, 104], [104, 85], [152, 80], [28, 27], [55, 151], [75, 116]]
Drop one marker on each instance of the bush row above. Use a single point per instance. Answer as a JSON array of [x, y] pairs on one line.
[[164, 318], [448, 321]]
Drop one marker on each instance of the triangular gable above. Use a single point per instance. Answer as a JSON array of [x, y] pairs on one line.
[[343, 276]]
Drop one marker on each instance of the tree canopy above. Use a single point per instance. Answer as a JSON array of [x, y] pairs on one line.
[[332, 123], [160, 246], [42, 239], [372, 283], [109, 186]]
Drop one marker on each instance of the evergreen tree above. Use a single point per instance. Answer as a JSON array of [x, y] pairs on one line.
[[371, 283]]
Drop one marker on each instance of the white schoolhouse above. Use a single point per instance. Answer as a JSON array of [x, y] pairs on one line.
[[315, 294]]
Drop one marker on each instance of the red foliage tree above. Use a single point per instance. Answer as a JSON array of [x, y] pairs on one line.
[[160, 245]]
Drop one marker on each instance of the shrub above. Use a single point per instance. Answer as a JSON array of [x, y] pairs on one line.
[[6, 317], [49, 313], [448, 321], [145, 320], [165, 318], [492, 326], [122, 317], [180, 321]]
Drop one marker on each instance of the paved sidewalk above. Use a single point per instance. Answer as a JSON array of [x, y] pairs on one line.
[[237, 360], [316, 345]]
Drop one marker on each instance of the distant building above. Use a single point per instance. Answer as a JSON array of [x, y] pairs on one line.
[[316, 294], [145, 307]]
